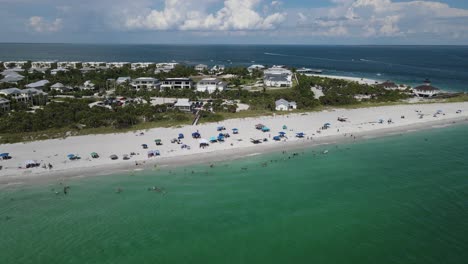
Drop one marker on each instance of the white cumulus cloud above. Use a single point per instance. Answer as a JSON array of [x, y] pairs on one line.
[[39, 24]]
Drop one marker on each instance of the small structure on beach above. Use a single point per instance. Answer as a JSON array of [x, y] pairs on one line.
[[196, 135], [184, 105], [235, 131], [426, 90], [283, 105]]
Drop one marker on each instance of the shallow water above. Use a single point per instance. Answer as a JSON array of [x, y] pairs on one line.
[[400, 199]]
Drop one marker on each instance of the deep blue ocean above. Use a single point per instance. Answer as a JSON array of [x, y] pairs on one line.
[[445, 66]]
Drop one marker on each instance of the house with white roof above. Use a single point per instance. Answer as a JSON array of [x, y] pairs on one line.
[[30, 95], [88, 85], [146, 83], [42, 65], [38, 85], [14, 64], [201, 67], [60, 88], [69, 64], [217, 69], [211, 85], [141, 65], [122, 80], [12, 77], [277, 77], [4, 104], [165, 67], [283, 105], [176, 83], [183, 105], [116, 65], [55, 71], [255, 67]]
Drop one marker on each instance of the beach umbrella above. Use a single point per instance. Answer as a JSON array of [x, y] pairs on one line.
[[276, 138], [203, 141], [157, 153], [265, 129], [94, 155], [327, 124], [196, 135], [285, 127], [213, 139], [235, 131], [282, 133], [5, 155], [300, 135], [181, 136], [114, 157], [70, 156]]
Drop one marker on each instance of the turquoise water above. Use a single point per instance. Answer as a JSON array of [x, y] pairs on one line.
[[445, 66], [401, 199]]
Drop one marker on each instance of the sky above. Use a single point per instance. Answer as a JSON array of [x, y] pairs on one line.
[[334, 22]]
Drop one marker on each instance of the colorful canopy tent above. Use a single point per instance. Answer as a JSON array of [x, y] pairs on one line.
[[282, 134], [196, 135], [153, 153], [265, 129], [181, 136], [203, 141], [221, 128], [5, 156], [276, 138], [259, 126], [158, 142], [221, 137], [235, 131], [94, 155], [213, 139], [285, 127], [144, 146], [72, 157]]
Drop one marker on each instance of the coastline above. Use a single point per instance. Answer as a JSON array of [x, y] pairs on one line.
[[224, 152]]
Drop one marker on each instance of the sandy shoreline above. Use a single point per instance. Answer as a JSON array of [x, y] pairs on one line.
[[362, 124]]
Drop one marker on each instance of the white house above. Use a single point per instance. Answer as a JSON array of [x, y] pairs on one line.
[[42, 65], [26, 95], [210, 85], [60, 88], [38, 84], [255, 67], [283, 105], [217, 69], [141, 65], [201, 67], [55, 71], [88, 85], [277, 77], [426, 90], [165, 67], [93, 64], [14, 64], [121, 80], [147, 83], [116, 65], [183, 105], [68, 64], [177, 83], [4, 104]]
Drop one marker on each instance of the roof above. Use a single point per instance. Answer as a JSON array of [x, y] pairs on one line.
[[12, 78], [3, 100], [183, 102], [10, 91], [256, 66], [33, 91], [284, 102], [277, 78], [426, 87], [178, 79], [146, 78], [388, 84], [57, 85], [37, 84]]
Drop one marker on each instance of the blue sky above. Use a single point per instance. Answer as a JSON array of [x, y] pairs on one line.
[[236, 21]]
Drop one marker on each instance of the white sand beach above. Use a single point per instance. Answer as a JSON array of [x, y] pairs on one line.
[[361, 123], [347, 78]]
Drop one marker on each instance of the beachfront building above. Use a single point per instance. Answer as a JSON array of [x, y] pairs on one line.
[[211, 85], [122, 80], [69, 64], [41, 66], [38, 85], [184, 105], [217, 69], [176, 83], [4, 104], [201, 67], [55, 71], [141, 65], [257, 67], [11, 77], [165, 67], [88, 86], [146, 83], [426, 90], [14, 64], [60, 88], [116, 65], [283, 105], [30, 95], [388, 85], [277, 76]]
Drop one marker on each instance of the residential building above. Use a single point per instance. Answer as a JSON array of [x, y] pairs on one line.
[[283, 105], [388, 85], [165, 67], [14, 64], [93, 65], [255, 67], [211, 85], [116, 65], [30, 95], [122, 80], [12, 77], [42, 65], [177, 83], [217, 69], [69, 64], [55, 71], [88, 85], [201, 67], [60, 88], [426, 90], [4, 104], [141, 65], [147, 83], [184, 105], [38, 84], [277, 77]]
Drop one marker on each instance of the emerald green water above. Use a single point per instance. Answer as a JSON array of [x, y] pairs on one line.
[[401, 199]]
